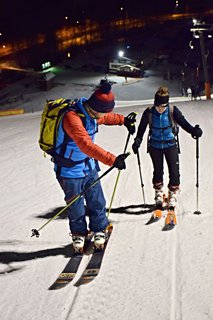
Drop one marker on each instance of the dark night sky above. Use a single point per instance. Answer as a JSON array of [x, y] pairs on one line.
[[22, 17]]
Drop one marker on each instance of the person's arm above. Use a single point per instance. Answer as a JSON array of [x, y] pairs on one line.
[[74, 128], [141, 130], [195, 131], [112, 119], [118, 119], [143, 124], [180, 119]]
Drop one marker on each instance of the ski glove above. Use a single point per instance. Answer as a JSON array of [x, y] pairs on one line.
[[136, 145], [197, 132], [120, 162], [129, 122]]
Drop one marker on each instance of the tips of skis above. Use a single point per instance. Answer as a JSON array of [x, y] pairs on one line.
[[170, 221]]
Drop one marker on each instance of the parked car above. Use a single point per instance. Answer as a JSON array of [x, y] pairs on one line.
[[129, 71]]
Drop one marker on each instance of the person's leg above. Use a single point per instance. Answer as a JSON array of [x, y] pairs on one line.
[[96, 205], [157, 161], [172, 159], [76, 212]]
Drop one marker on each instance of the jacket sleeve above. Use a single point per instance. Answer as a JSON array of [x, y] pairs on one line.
[[111, 119], [74, 128], [143, 124], [180, 119]]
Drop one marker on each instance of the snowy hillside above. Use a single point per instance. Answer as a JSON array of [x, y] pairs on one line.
[[146, 273]]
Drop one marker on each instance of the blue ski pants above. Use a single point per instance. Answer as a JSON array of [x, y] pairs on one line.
[[93, 199]]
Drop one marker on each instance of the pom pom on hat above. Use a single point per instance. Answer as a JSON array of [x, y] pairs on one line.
[[105, 86], [102, 100]]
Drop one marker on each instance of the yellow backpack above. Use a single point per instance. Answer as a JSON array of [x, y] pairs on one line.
[[50, 119]]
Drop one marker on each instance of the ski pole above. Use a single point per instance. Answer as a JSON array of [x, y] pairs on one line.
[[132, 116], [35, 232], [141, 179], [197, 172]]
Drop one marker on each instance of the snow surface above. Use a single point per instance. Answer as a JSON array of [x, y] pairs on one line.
[[146, 273]]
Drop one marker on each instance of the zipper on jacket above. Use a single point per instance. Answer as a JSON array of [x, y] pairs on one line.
[[161, 128]]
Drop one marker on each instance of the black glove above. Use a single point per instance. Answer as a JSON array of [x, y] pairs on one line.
[[136, 145], [197, 132], [120, 162], [129, 122]]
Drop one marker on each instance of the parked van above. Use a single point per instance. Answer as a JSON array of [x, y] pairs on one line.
[[125, 69]]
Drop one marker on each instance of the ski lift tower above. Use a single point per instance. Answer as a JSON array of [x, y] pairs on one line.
[[198, 30]]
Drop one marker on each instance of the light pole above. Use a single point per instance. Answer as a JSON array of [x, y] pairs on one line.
[[198, 30]]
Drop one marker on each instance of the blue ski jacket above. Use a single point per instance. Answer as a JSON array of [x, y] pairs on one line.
[[78, 164], [161, 134], [76, 153]]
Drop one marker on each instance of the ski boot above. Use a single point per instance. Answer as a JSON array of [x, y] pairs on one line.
[[172, 200], [78, 243], [159, 196], [159, 199], [99, 240], [101, 237]]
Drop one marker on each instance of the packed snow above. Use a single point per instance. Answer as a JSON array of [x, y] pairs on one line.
[[146, 273]]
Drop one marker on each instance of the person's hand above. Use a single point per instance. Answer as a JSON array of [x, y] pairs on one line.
[[136, 145], [129, 122], [197, 132], [120, 161]]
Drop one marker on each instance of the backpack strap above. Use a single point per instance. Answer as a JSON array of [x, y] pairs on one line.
[[66, 137], [171, 118], [63, 162], [59, 159], [175, 127], [71, 106]]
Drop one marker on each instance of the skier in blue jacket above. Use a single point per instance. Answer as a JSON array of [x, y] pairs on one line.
[[76, 162], [162, 143]]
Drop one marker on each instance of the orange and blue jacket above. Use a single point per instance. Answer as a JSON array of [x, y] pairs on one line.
[[76, 152]]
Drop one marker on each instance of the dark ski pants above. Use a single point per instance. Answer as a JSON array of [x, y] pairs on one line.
[[94, 200], [172, 159]]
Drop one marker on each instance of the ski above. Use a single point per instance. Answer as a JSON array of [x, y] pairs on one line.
[[92, 269], [157, 214], [71, 269], [170, 221]]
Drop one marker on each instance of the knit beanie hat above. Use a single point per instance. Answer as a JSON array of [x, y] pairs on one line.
[[102, 100], [161, 96]]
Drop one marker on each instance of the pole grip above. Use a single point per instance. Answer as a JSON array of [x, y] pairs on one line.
[[132, 115]]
